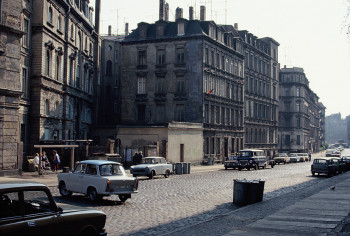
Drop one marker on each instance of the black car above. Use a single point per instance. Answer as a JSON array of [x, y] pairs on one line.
[[323, 166], [28, 208], [231, 162]]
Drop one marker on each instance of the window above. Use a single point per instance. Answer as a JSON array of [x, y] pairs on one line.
[[71, 66], [287, 139], [116, 56], [77, 80], [59, 23], [160, 109], [180, 112], [48, 63], [298, 122], [207, 56], [26, 31], [298, 106], [50, 15], [57, 109], [181, 28], [141, 85], [142, 58], [24, 82], [161, 56], [141, 113], [47, 107], [180, 55], [161, 85], [297, 92], [180, 85], [109, 67], [72, 31], [58, 67], [217, 115]]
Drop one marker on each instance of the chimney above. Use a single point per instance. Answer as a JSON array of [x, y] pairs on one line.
[[109, 30], [191, 13], [166, 12], [161, 9], [236, 26], [179, 13], [126, 29], [202, 14], [97, 16]]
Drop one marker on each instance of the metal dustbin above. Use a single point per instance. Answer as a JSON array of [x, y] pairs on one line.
[[185, 168], [178, 168], [247, 192], [189, 168]]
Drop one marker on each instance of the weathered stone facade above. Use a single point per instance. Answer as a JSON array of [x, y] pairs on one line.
[[261, 92], [301, 114], [336, 128], [10, 85], [186, 71], [63, 72]]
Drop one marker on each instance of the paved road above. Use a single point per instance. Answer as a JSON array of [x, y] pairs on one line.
[[165, 205]]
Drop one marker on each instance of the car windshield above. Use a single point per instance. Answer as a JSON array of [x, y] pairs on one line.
[[300, 154], [150, 161], [282, 155], [232, 158], [111, 169], [245, 154], [292, 155]]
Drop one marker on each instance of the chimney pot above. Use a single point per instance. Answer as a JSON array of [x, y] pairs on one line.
[[166, 12], [161, 9], [109, 30], [178, 13], [191, 13], [126, 29], [203, 13], [236, 26]]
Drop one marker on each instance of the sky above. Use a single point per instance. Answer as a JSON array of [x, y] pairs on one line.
[[312, 34]]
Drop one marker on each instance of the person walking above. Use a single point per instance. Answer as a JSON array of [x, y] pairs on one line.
[[36, 161], [309, 155], [56, 160]]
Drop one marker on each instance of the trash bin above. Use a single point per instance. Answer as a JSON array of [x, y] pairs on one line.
[[247, 192], [189, 168], [185, 168], [178, 168]]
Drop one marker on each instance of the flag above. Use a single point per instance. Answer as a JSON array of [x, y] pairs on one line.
[[209, 92]]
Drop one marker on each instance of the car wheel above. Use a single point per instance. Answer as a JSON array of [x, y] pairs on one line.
[[313, 173], [88, 232], [123, 198], [284, 162], [264, 166], [256, 167], [239, 168], [167, 173], [92, 194], [151, 175], [248, 168], [64, 191], [225, 168]]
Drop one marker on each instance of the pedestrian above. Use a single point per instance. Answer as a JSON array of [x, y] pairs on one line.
[[140, 157], [309, 155], [45, 161], [36, 160], [56, 160]]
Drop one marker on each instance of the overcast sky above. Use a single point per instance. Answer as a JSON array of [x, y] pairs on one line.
[[312, 34]]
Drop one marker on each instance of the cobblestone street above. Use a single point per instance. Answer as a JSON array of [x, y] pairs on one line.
[[164, 205]]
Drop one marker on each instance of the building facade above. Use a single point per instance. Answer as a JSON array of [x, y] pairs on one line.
[[187, 71], [261, 92], [60, 63], [301, 114], [10, 84], [336, 128]]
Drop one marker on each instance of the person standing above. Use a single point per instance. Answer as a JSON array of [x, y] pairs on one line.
[[44, 161], [36, 160], [56, 160], [309, 155]]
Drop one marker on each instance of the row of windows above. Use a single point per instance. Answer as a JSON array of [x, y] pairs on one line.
[[257, 64], [254, 135], [161, 112], [224, 62], [257, 110], [286, 140], [258, 87], [212, 145], [161, 85], [223, 116], [161, 58], [292, 122], [86, 113], [222, 87]]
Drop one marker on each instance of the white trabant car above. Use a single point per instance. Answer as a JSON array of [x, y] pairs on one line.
[[98, 178], [152, 166]]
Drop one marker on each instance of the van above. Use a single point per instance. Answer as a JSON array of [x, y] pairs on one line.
[[252, 159]]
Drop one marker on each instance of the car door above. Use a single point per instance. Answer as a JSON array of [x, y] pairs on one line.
[[75, 179], [90, 178]]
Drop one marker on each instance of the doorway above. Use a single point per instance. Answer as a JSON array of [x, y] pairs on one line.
[[182, 152]]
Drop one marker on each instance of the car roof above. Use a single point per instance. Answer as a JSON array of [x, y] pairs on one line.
[[153, 157], [251, 150], [16, 185], [99, 162]]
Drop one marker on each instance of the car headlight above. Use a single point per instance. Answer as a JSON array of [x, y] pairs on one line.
[[251, 161]]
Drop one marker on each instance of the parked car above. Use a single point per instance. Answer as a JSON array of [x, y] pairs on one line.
[[346, 160], [98, 178], [252, 159], [336, 154], [282, 158], [294, 158], [329, 152], [301, 157], [323, 166], [151, 167], [306, 156], [231, 162], [339, 164], [28, 208]]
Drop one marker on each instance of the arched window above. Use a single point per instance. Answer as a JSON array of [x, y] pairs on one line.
[[48, 63], [47, 107], [109, 67], [57, 109], [58, 67], [50, 15]]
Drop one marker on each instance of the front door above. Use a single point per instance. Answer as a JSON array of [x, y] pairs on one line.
[[182, 152]]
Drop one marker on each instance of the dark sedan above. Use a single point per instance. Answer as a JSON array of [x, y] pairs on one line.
[[28, 208]]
